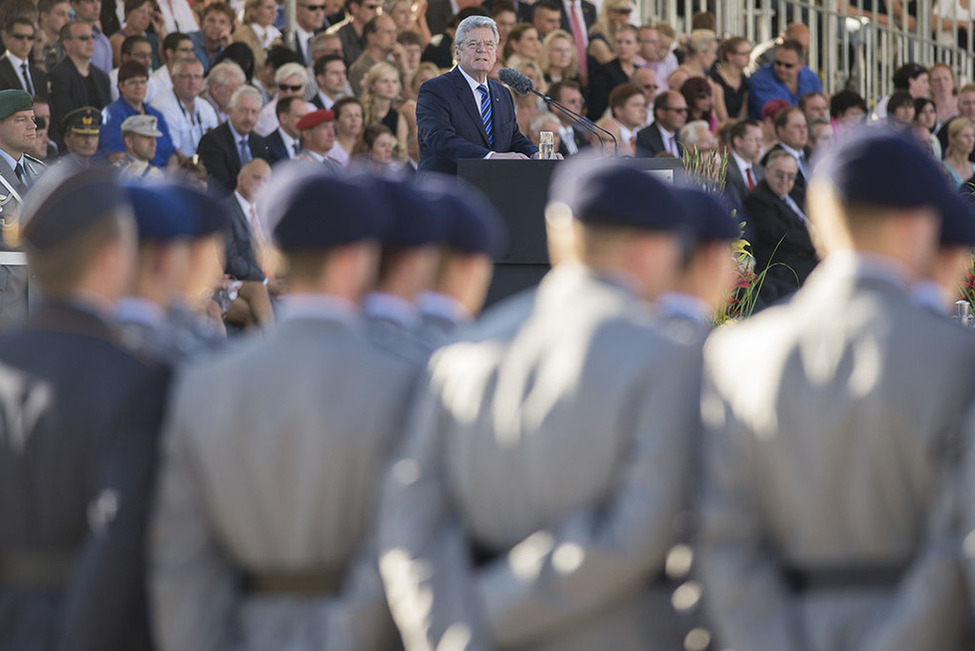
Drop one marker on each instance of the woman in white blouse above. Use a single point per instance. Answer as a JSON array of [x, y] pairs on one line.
[[258, 31]]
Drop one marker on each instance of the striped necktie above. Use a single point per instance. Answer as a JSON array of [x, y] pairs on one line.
[[486, 113]]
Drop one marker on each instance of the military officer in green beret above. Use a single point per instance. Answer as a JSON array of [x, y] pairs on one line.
[[18, 170]]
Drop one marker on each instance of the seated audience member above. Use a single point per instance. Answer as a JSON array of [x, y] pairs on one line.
[[139, 136], [409, 18], [330, 79], [545, 121], [944, 94], [139, 15], [75, 82], [603, 79], [572, 136], [284, 143], [778, 231], [764, 53], [215, 34], [732, 102], [820, 138], [381, 89], [911, 78], [700, 53], [966, 109], [221, 83], [613, 14], [558, 59], [661, 137], [744, 170], [926, 117], [90, 11], [80, 129], [348, 129], [134, 48], [961, 142], [407, 107], [900, 110], [697, 138], [407, 53], [258, 31], [52, 15], [224, 150], [133, 78], [350, 30], [325, 44], [771, 109], [647, 81], [43, 150], [375, 150], [792, 134], [290, 80], [814, 106], [187, 116], [655, 47], [318, 138], [698, 94], [786, 78], [309, 20], [380, 39], [522, 44], [264, 78], [848, 110], [175, 46], [628, 111], [17, 71], [527, 105]]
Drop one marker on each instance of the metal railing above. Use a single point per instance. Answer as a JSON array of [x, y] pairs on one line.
[[848, 48]]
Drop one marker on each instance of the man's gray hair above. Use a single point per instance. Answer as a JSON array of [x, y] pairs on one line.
[[543, 118], [474, 22], [690, 133], [777, 154], [184, 63], [245, 91], [222, 73]]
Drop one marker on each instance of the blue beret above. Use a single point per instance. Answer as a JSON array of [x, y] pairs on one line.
[[319, 211], [708, 218], [473, 225], [877, 167], [64, 202], [608, 192], [413, 222], [160, 215], [958, 219], [210, 215]]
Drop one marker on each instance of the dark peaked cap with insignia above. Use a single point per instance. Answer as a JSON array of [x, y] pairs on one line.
[[609, 193], [63, 204], [14, 101], [84, 121], [318, 212]]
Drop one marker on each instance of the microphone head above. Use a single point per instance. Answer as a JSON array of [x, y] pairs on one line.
[[517, 81]]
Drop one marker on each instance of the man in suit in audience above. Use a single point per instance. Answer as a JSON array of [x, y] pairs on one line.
[[565, 550], [16, 68], [572, 139], [778, 230], [284, 143], [224, 150], [75, 82], [661, 136], [792, 133], [743, 172], [829, 422], [463, 114]]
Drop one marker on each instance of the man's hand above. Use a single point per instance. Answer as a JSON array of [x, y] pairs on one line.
[[508, 155]]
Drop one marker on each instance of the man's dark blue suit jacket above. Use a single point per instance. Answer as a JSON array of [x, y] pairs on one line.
[[449, 123]]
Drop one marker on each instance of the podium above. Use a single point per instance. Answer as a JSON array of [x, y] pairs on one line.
[[519, 190]]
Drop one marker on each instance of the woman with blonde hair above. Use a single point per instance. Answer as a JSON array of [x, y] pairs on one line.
[[426, 70], [701, 51], [258, 31], [732, 102], [602, 36], [558, 59], [380, 94], [961, 142], [409, 17]]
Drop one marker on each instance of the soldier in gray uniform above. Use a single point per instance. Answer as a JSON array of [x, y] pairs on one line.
[[531, 506], [81, 413], [262, 536], [407, 267], [165, 224], [827, 423], [474, 236]]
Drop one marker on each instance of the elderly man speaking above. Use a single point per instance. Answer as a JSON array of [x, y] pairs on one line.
[[463, 114]]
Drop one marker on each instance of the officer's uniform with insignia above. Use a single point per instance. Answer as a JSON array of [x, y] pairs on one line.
[[393, 322], [85, 121], [531, 505], [133, 168], [77, 453], [828, 424], [263, 532]]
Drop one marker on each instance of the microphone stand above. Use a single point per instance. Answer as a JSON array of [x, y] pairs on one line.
[[588, 124]]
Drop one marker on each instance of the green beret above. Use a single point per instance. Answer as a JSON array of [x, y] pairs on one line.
[[14, 101]]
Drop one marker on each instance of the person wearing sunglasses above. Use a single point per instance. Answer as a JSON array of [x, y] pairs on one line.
[[75, 82], [290, 80], [350, 30], [786, 78], [16, 68]]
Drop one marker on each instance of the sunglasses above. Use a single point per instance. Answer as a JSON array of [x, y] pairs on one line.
[[370, 7], [783, 64], [293, 89], [84, 37], [40, 122], [22, 37]]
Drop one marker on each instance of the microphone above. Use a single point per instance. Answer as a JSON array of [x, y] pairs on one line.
[[523, 85]]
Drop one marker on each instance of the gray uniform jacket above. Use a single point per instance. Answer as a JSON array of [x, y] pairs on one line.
[[272, 460], [542, 468], [826, 423]]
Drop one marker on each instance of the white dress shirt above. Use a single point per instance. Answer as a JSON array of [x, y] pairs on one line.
[[186, 127]]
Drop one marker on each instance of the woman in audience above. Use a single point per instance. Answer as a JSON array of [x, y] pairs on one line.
[[348, 129], [375, 149], [926, 116], [424, 71], [700, 53], [698, 94], [409, 17], [604, 78], [558, 59], [900, 110], [139, 15], [527, 106], [258, 31], [602, 36], [522, 45], [505, 17], [380, 93], [732, 102], [941, 79], [961, 142], [628, 112]]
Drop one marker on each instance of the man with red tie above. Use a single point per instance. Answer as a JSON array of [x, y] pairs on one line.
[[660, 137], [744, 171]]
